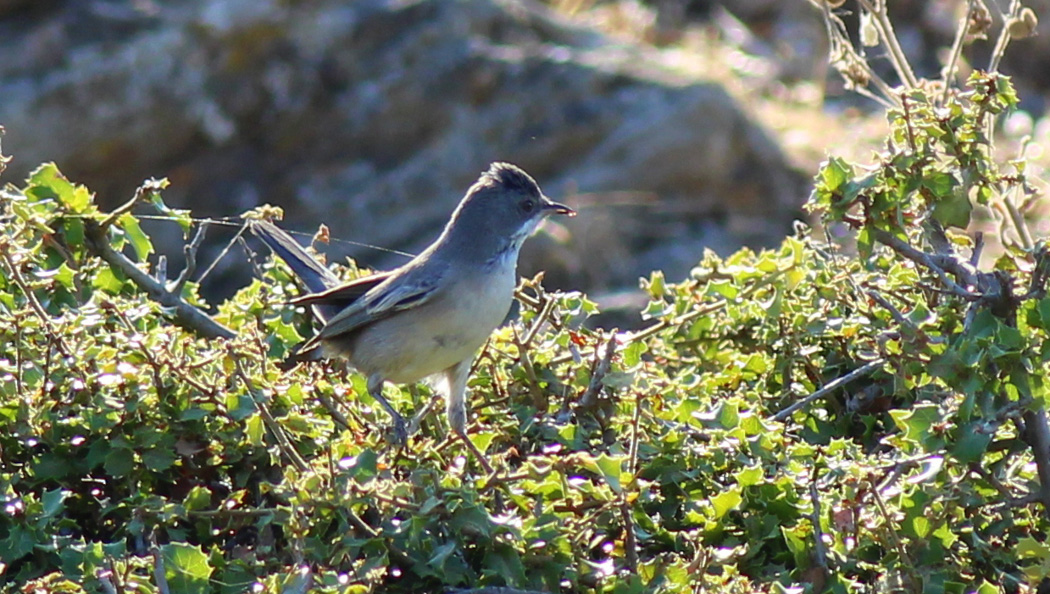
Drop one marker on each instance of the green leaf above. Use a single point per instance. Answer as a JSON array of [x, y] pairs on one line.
[[940, 183], [921, 526], [726, 502], [750, 476], [107, 280], [139, 240], [632, 354], [865, 243], [441, 554], [918, 423], [656, 285], [46, 182], [53, 502], [608, 467], [198, 498], [65, 276], [186, 568], [833, 174], [158, 459], [729, 414], [256, 430], [119, 462], [954, 210]]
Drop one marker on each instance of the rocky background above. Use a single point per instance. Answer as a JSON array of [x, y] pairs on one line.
[[671, 125]]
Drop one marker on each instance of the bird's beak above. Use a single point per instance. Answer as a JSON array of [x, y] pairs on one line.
[[555, 208]]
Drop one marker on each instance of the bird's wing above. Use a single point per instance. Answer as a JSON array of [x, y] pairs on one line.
[[345, 294], [402, 289]]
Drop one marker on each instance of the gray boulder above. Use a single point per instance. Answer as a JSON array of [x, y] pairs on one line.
[[374, 116]]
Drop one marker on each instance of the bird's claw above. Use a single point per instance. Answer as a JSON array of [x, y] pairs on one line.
[[398, 432]]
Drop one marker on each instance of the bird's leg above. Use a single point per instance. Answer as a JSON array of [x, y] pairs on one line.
[[375, 390], [417, 420], [456, 397], [456, 402]]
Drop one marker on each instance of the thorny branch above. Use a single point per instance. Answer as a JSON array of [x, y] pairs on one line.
[[264, 411], [829, 388], [191, 259], [186, 315], [601, 368]]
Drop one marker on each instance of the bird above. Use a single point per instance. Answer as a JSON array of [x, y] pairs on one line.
[[430, 316]]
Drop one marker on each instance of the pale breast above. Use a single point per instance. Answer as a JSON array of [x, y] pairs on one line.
[[415, 343]]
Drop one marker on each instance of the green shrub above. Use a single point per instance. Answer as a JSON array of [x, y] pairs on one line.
[[801, 417]]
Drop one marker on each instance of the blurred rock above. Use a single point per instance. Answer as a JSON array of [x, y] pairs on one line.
[[374, 116]]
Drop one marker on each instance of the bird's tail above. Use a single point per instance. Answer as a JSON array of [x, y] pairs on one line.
[[314, 275], [311, 273]]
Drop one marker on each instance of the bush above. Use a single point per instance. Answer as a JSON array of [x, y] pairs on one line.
[[804, 417]]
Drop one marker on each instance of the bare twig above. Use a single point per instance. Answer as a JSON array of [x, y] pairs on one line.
[[992, 480], [104, 577], [3, 160], [953, 57], [158, 566], [692, 315], [895, 470], [224, 512], [1004, 36], [19, 343], [630, 541], [478, 455], [851, 65], [225, 250], [894, 312], [978, 247], [526, 363], [544, 315], [686, 317], [820, 551], [1017, 219], [275, 428], [1040, 274], [1023, 501], [900, 62], [635, 435], [891, 526], [598, 373], [150, 186], [186, 315], [1038, 438], [15, 274], [191, 258], [495, 590], [302, 582], [830, 387], [337, 415], [939, 264]]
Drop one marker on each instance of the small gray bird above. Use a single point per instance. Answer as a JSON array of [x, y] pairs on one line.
[[429, 317]]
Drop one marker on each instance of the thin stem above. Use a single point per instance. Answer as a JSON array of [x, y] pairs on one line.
[[889, 38], [1004, 36], [1018, 222], [956, 51], [897, 542], [830, 387]]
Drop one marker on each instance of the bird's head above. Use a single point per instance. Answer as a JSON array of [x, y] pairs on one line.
[[502, 209]]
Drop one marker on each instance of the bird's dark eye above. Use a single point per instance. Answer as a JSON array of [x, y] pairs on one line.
[[528, 206]]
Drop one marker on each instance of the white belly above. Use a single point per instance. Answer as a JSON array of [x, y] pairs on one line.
[[413, 344]]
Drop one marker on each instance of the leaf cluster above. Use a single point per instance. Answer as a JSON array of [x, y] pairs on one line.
[[799, 418]]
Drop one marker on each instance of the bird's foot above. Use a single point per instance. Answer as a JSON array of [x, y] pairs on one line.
[[417, 420], [398, 432]]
